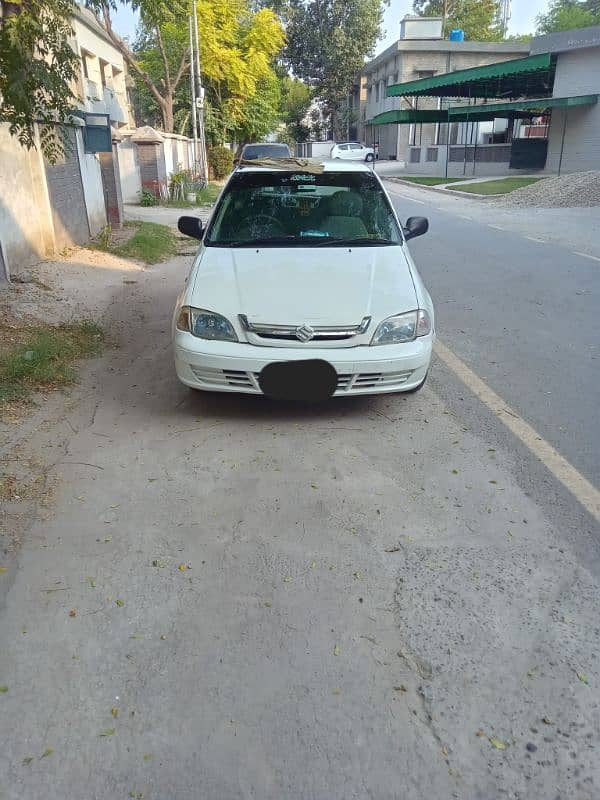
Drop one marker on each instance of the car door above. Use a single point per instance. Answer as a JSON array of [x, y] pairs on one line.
[[357, 151], [343, 151]]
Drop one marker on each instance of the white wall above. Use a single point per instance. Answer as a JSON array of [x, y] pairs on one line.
[[577, 73], [92, 187], [131, 182]]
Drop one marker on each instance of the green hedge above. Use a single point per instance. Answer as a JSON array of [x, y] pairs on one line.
[[221, 161]]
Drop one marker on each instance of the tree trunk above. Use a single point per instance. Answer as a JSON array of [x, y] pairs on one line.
[[167, 113]]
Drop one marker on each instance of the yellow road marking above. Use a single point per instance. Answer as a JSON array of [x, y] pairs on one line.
[[563, 471]]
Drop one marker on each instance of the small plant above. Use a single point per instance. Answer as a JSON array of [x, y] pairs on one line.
[[148, 198], [221, 161], [104, 237]]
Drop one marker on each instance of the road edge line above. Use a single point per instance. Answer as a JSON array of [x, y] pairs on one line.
[[579, 486]]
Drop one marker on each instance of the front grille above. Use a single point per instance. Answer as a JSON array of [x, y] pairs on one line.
[[347, 382], [294, 333]]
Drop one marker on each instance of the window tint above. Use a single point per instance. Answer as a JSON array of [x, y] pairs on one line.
[[298, 209], [355, 146], [253, 151]]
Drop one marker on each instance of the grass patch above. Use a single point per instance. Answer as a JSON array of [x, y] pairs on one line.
[[43, 357], [149, 242], [431, 181], [501, 186]]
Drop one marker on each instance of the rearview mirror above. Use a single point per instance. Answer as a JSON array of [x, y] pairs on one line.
[[415, 226], [191, 226]]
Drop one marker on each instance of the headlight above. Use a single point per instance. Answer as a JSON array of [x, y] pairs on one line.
[[206, 325], [403, 328]]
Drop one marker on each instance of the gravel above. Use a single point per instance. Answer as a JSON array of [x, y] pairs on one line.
[[580, 189]]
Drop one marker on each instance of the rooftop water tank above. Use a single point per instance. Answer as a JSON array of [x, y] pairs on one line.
[[457, 35]]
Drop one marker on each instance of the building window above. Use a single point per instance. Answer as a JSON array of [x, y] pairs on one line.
[[425, 73]]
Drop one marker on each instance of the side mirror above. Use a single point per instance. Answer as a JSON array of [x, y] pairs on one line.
[[415, 226], [191, 226]]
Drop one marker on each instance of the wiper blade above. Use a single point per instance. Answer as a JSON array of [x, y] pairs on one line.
[[360, 241], [270, 240]]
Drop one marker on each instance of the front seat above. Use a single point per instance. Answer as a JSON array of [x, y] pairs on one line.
[[343, 220]]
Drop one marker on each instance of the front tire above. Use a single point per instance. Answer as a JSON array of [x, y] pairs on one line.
[[369, 158]]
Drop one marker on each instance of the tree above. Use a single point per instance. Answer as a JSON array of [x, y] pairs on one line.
[[296, 98], [328, 41], [478, 18], [38, 69], [564, 15]]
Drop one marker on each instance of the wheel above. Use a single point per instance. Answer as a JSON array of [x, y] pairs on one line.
[[369, 157]]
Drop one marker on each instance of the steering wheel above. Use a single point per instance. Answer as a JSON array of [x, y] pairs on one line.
[[265, 219]]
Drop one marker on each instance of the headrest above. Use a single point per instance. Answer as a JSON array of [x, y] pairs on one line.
[[345, 204]]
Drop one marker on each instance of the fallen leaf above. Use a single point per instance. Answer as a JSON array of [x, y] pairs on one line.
[[480, 733], [182, 567], [336, 691], [267, 604], [493, 481], [287, 579], [72, 613], [313, 564], [336, 650], [163, 638], [455, 472], [314, 486], [148, 757], [108, 539], [582, 677], [136, 636], [4, 689], [120, 603], [114, 712], [332, 567], [498, 743], [47, 752], [401, 688], [444, 751], [91, 582], [547, 721], [107, 732], [3, 570], [27, 761], [393, 550], [357, 574], [531, 672]]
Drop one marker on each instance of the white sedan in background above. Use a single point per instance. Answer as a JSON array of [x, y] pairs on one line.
[[352, 151], [304, 288]]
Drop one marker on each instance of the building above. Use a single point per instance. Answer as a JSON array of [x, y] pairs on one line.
[[539, 112], [421, 52]]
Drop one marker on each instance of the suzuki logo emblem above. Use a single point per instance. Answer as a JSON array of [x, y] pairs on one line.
[[305, 333]]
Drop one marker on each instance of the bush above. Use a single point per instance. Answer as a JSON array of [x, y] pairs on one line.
[[148, 198], [221, 161]]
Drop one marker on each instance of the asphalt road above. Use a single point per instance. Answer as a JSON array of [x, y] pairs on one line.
[[226, 598], [521, 310]]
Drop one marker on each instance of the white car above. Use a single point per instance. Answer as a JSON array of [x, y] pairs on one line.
[[304, 288], [352, 151]]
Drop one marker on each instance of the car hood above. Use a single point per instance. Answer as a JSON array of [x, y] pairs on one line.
[[325, 286]]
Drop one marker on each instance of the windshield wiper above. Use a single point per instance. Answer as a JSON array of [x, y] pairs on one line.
[[270, 240], [361, 241]]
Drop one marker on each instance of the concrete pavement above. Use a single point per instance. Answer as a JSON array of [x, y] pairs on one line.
[[379, 597]]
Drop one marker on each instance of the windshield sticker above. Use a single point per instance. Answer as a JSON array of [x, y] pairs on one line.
[[304, 178]]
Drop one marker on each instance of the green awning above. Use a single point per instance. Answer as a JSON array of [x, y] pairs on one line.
[[533, 75], [409, 116], [534, 104]]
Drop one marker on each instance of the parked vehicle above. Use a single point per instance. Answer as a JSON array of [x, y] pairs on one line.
[[353, 151], [251, 152], [304, 288]]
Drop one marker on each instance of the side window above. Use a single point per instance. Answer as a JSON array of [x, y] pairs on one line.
[[355, 146], [343, 147]]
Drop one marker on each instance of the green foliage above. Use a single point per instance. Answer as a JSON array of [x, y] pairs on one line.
[[148, 198], [261, 112], [220, 160], [478, 18], [500, 186], [296, 98], [37, 69], [564, 15], [44, 359], [328, 41]]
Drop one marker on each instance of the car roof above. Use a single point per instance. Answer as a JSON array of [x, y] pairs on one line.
[[330, 165], [266, 144]]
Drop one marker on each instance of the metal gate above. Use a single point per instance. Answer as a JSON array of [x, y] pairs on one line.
[[65, 190]]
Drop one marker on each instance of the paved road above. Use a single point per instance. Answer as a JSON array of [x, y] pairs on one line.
[[384, 598], [522, 311]]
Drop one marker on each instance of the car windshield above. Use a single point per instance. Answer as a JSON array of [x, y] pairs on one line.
[[296, 209], [253, 151]]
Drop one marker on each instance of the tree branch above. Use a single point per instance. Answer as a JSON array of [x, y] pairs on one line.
[[129, 57], [183, 68], [161, 47]]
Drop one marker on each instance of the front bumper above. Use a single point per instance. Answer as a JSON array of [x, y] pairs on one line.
[[235, 366]]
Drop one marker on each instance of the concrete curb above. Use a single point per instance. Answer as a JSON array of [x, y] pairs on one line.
[[437, 189]]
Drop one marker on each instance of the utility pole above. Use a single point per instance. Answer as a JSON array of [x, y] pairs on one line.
[[199, 98], [193, 87]]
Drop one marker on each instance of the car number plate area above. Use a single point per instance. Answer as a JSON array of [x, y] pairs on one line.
[[308, 381]]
